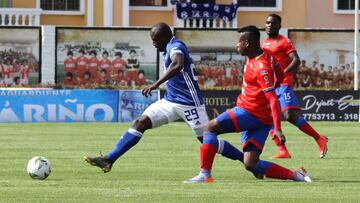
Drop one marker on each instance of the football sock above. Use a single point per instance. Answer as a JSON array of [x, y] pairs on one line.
[[207, 151], [272, 170], [229, 151], [304, 126], [128, 140], [281, 147]]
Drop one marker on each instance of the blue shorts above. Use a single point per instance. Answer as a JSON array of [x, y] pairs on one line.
[[287, 98], [239, 120]]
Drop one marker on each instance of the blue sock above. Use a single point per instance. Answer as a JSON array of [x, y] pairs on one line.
[[300, 121], [128, 140], [229, 151], [262, 167]]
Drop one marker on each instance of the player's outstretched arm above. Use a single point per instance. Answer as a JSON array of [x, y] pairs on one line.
[[176, 65], [294, 62], [276, 113]]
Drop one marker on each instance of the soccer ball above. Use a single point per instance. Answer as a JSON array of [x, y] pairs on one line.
[[39, 168]]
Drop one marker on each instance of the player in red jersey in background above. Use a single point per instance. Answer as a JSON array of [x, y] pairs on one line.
[[257, 110], [70, 79], [140, 80], [70, 63], [105, 64], [284, 52], [121, 79], [118, 64], [93, 64], [81, 64], [8, 70], [24, 72]]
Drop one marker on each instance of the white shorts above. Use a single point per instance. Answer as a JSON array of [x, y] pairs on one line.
[[24, 81], [164, 111], [9, 81]]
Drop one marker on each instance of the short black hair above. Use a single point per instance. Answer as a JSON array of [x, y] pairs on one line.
[[118, 54], [276, 16], [105, 52], [132, 51], [141, 71], [70, 53], [252, 29], [87, 73], [103, 70], [69, 74], [82, 51], [162, 29], [93, 52]]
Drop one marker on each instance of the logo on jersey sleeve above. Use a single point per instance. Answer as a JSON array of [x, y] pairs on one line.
[[264, 72]]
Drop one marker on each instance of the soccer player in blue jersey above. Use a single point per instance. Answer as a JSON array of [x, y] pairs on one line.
[[183, 100]]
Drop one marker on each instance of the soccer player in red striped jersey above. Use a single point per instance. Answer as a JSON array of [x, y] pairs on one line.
[[257, 110], [24, 72], [8, 70], [284, 52]]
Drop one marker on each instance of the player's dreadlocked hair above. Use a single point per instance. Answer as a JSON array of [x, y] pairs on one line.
[[276, 16], [252, 29]]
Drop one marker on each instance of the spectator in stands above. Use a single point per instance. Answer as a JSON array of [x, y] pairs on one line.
[[336, 77], [305, 80], [328, 81], [313, 74], [349, 76], [342, 77], [321, 76], [303, 69]]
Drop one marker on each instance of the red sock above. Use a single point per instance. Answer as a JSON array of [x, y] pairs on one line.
[[306, 128], [281, 147], [207, 155], [279, 172]]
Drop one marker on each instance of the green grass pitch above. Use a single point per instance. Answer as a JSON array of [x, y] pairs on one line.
[[154, 170]]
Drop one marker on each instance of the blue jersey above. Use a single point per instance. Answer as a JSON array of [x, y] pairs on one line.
[[182, 88]]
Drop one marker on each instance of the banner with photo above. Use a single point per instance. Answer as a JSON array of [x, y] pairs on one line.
[[20, 56], [48, 105], [132, 104], [327, 58], [215, 57], [116, 57]]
